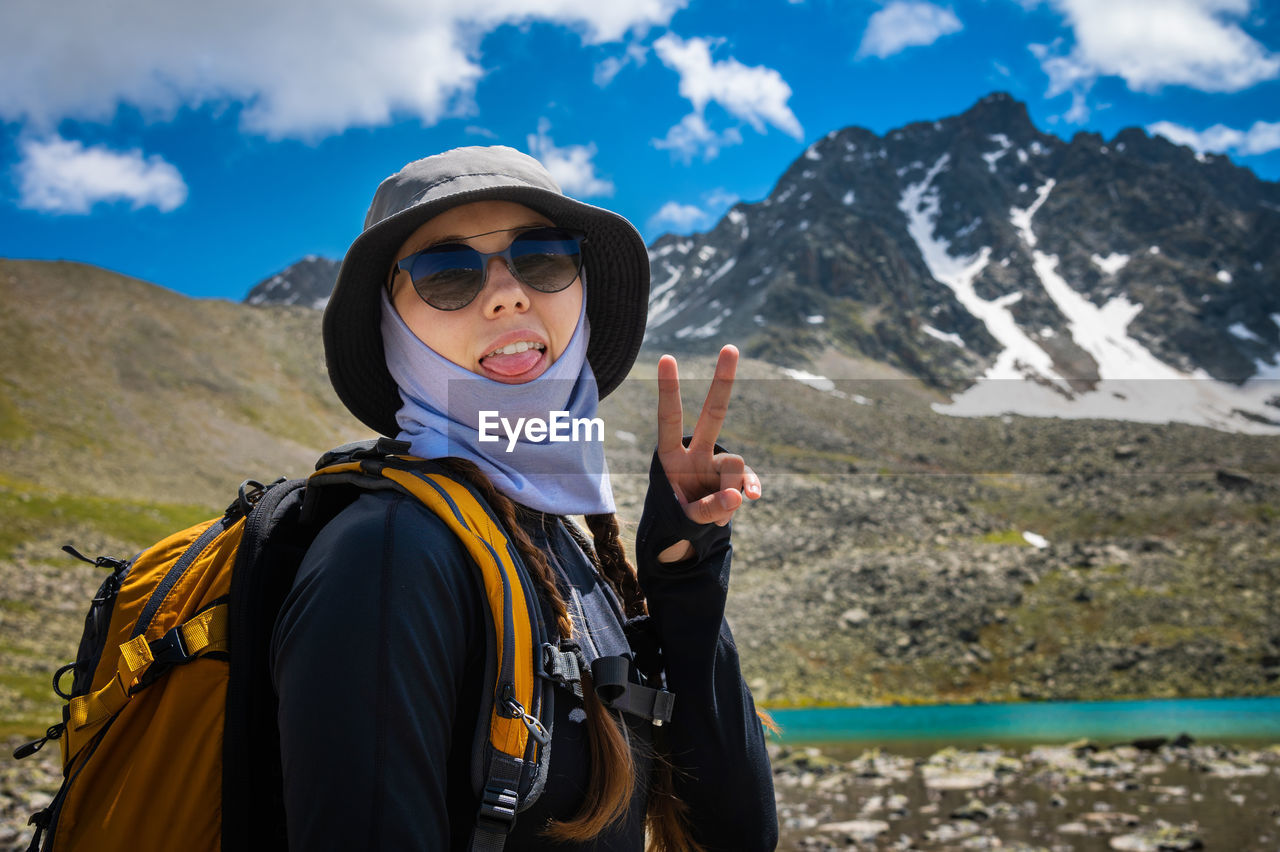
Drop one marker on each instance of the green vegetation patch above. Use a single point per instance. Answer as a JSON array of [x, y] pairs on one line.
[[31, 512], [1165, 516], [1013, 537]]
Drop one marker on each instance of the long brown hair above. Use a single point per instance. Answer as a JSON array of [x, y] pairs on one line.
[[613, 772]]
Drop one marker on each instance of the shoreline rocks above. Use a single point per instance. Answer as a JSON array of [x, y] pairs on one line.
[[1145, 797]]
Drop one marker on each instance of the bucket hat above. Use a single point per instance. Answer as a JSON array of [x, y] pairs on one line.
[[614, 256]]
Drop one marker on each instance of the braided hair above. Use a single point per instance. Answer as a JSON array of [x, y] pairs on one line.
[[613, 771]]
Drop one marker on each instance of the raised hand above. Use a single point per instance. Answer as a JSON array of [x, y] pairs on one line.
[[709, 485]]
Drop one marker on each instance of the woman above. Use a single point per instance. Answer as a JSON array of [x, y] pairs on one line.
[[476, 286]]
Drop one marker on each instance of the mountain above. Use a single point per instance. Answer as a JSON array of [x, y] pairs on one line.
[[1019, 273], [307, 282], [1075, 278]]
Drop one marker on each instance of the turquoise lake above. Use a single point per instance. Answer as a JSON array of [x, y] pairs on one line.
[[1219, 719]]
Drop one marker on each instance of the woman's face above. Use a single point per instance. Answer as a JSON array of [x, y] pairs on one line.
[[504, 313]]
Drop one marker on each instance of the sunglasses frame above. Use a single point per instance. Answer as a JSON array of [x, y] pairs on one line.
[[405, 263]]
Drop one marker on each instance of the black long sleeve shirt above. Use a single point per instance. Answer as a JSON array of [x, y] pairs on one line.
[[378, 661]]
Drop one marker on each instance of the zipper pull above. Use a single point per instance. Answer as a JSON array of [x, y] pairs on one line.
[[100, 562], [516, 710], [54, 732]]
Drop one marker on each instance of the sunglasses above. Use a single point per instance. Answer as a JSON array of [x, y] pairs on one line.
[[449, 276]]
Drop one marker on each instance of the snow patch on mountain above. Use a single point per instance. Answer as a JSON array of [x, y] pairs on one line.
[[721, 272], [1112, 263], [1240, 330], [947, 336], [822, 383], [1020, 354], [699, 332], [660, 299], [814, 381], [1021, 217], [1133, 384], [994, 156]]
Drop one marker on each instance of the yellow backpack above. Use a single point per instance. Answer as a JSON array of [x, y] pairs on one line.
[[168, 734]]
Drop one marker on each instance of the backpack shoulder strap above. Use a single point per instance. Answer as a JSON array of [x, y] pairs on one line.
[[512, 764], [270, 551]]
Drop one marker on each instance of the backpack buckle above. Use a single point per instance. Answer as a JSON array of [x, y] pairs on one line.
[[497, 810], [170, 649], [166, 652]]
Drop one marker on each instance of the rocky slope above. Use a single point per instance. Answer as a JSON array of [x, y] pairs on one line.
[[900, 555]]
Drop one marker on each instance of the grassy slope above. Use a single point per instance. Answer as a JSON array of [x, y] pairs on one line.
[[116, 387]]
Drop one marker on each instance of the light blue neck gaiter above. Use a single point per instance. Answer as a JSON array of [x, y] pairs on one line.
[[442, 411]]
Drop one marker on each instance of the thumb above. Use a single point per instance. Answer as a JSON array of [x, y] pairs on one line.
[[715, 508]]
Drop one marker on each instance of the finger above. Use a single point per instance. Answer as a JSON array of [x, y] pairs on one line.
[[716, 406], [752, 489], [715, 508], [731, 468], [670, 413]]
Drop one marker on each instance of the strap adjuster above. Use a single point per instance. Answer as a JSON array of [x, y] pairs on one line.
[[616, 690], [563, 665], [497, 810]]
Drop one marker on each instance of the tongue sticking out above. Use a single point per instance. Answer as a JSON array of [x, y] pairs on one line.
[[513, 365]]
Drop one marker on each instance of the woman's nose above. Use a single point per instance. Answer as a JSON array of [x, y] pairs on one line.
[[503, 291]]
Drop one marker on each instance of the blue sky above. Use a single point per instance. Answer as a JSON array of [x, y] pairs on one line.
[[204, 147]]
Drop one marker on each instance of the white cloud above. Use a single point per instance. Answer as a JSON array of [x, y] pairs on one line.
[[57, 175], [692, 137], [571, 165], [683, 217], [755, 94], [906, 23], [1261, 138], [1155, 43], [301, 68], [610, 66], [721, 197]]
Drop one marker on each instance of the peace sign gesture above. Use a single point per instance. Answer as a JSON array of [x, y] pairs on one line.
[[709, 485]]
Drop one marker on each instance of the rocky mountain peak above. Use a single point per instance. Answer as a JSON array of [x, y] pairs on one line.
[[307, 282], [977, 247]]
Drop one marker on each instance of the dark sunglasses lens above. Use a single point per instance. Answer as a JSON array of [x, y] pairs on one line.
[[547, 259], [447, 277]]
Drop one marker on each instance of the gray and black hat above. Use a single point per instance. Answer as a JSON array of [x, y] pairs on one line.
[[614, 256]]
